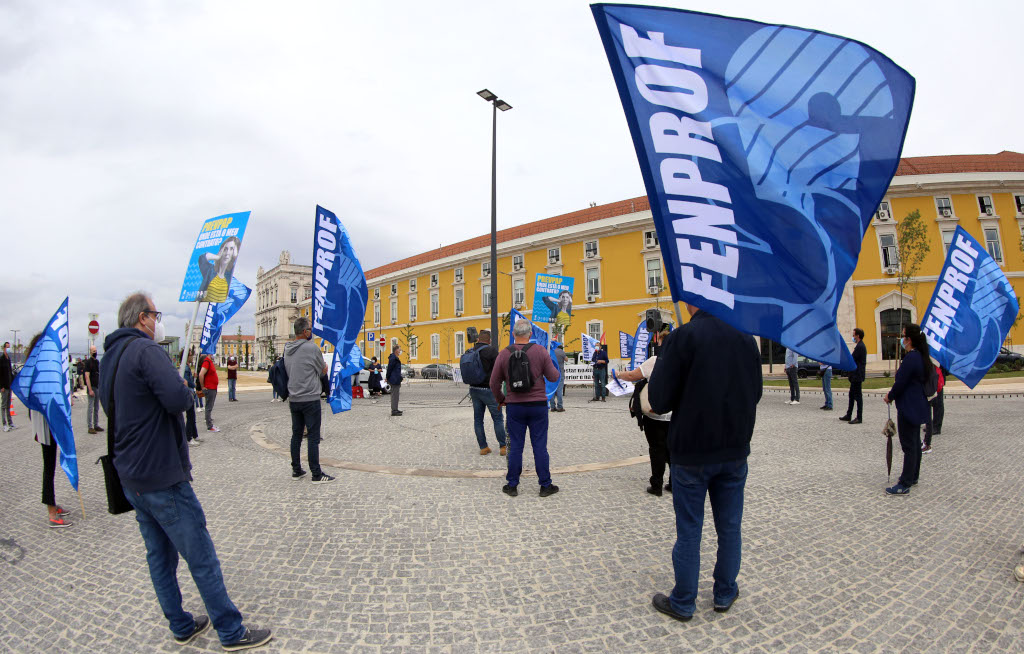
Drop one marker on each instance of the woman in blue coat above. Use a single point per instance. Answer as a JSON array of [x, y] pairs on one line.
[[911, 404]]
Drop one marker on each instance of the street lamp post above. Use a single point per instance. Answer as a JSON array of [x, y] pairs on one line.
[[496, 104]]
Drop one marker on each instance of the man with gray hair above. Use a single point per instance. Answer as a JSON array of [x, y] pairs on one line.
[[523, 367], [144, 399], [304, 363]]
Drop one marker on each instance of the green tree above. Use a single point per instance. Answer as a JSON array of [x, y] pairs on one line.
[[506, 326], [912, 241], [406, 336]]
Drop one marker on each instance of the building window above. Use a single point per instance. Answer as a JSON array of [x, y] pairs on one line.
[[890, 257], [295, 294], [433, 280], [593, 281], [985, 205], [306, 292], [458, 275], [590, 249], [414, 347], [435, 308], [376, 313], [947, 239], [460, 344], [458, 301], [519, 292], [992, 244], [654, 275], [394, 310], [1019, 201], [485, 269], [944, 207], [594, 329], [554, 255], [435, 346], [394, 289], [412, 308], [485, 293], [517, 262], [650, 238]]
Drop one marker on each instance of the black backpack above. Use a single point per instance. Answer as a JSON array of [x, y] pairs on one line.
[[519, 378], [931, 381], [278, 378], [472, 368]]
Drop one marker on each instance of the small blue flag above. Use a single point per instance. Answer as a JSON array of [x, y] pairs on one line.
[[638, 353], [44, 385], [588, 347], [625, 345], [765, 150], [219, 313], [971, 312]]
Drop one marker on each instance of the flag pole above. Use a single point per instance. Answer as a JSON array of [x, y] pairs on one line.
[[188, 339], [679, 315], [80, 502]]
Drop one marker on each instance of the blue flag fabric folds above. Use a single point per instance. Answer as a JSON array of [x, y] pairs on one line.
[[638, 354], [588, 347], [765, 150], [342, 369], [971, 311], [219, 313], [625, 345], [44, 385], [339, 299]]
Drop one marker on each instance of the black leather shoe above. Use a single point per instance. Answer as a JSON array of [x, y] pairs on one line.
[[202, 624], [722, 608], [660, 602], [654, 490], [846, 417], [511, 491], [856, 421], [668, 487], [548, 490]]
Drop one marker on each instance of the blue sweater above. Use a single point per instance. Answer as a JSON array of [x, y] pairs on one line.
[[150, 452]]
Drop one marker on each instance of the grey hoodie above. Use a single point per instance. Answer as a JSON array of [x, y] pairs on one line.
[[304, 363]]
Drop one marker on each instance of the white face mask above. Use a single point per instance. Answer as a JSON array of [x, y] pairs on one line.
[[158, 332]]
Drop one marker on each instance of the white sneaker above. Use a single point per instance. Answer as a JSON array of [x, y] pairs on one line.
[[7, 428], [795, 402], [213, 429]]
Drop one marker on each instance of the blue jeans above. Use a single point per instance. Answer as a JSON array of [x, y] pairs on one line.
[[600, 382], [172, 523], [306, 415], [521, 417], [724, 482], [826, 385], [483, 398], [556, 401], [231, 389]]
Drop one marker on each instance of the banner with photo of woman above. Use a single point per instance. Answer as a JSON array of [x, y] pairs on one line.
[[552, 300], [217, 315], [212, 262]]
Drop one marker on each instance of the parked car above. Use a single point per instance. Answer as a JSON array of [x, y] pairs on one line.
[[407, 371], [1010, 358], [437, 371], [261, 366], [807, 367]]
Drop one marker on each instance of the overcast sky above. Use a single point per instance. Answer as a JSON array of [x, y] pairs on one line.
[[126, 124]]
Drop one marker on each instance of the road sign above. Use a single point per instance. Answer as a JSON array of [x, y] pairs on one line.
[[371, 337], [94, 327], [382, 340]]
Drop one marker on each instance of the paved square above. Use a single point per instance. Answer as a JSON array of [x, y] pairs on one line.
[[407, 560]]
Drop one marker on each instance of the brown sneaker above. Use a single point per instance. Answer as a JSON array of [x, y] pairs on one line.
[[485, 451], [503, 451], [92, 431]]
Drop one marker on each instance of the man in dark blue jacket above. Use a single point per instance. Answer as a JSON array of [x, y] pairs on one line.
[[860, 357], [151, 458], [708, 375], [394, 377]]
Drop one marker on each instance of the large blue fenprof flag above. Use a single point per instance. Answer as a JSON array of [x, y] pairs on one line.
[[218, 314], [44, 385], [765, 150], [971, 312], [339, 302]]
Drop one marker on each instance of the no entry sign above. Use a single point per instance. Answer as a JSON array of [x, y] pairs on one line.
[[94, 327]]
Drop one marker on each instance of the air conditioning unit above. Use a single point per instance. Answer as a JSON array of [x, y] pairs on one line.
[[649, 242], [946, 213], [589, 254], [883, 215], [433, 316], [458, 314], [517, 266], [412, 318], [519, 305], [989, 211], [552, 260], [653, 290], [892, 270], [591, 298], [393, 321], [487, 309]]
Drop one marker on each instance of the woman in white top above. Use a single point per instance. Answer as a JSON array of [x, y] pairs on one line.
[[655, 425]]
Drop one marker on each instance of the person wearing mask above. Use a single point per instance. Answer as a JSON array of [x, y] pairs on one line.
[[655, 425], [6, 379], [826, 385], [208, 382], [483, 398], [556, 399], [912, 408], [791, 372], [600, 361], [713, 418], [394, 377], [232, 378], [304, 363], [857, 376], [151, 458], [527, 408], [91, 374]]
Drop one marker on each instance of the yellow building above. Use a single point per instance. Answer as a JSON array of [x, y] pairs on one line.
[[426, 302]]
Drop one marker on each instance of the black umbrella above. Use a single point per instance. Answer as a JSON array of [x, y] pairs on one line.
[[888, 431]]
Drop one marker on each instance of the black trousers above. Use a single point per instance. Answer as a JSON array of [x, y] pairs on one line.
[[910, 441], [938, 412], [856, 396], [657, 444], [49, 466]]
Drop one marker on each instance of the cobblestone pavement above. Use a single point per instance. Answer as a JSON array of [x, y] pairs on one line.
[[405, 562]]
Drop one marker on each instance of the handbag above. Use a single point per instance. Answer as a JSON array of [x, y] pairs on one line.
[[117, 502]]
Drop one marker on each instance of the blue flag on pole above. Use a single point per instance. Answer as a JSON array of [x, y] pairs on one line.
[[625, 345], [339, 300], [219, 313], [638, 353], [44, 385], [588, 347], [341, 371], [765, 150], [538, 336], [971, 312]]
